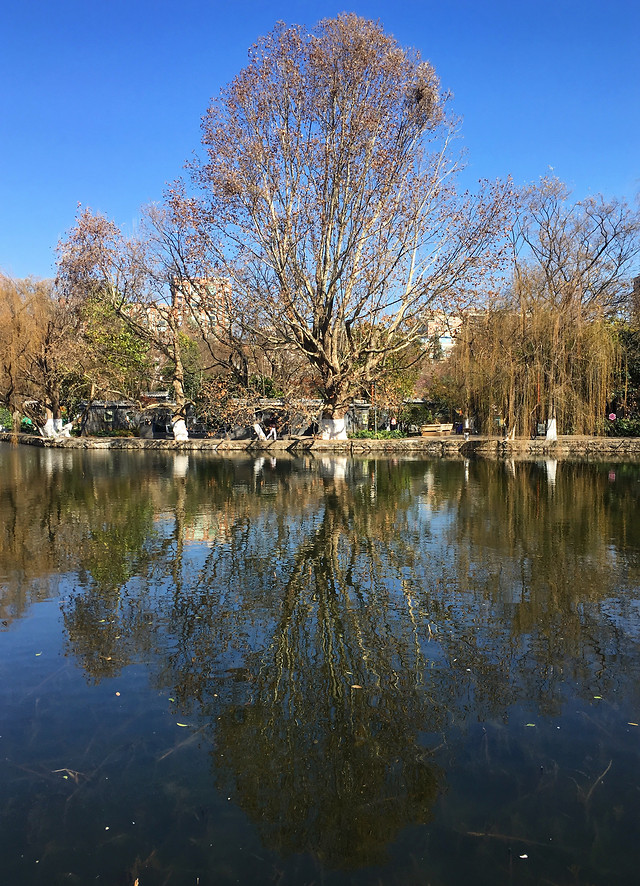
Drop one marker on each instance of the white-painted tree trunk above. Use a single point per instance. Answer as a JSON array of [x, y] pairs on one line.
[[332, 429], [180, 432], [54, 427], [552, 430]]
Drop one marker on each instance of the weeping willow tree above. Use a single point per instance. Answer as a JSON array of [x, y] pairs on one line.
[[519, 364], [548, 350]]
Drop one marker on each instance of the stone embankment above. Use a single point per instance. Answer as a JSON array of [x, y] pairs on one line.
[[592, 448]]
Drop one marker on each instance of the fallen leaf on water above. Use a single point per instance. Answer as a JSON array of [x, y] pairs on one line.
[[632, 724], [182, 724], [530, 724], [356, 686], [597, 696], [38, 653]]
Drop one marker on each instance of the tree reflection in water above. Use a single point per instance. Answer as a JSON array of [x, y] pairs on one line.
[[297, 640]]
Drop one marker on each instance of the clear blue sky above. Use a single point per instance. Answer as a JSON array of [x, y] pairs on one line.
[[101, 100]]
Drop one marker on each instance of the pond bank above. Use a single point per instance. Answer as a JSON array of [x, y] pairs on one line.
[[453, 446]]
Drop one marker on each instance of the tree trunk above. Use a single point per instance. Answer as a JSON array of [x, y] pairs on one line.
[[552, 426], [48, 429], [53, 424], [332, 428], [332, 424], [56, 410], [552, 429], [178, 420], [85, 414]]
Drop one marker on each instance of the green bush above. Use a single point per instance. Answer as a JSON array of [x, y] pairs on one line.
[[622, 427], [28, 427], [376, 435]]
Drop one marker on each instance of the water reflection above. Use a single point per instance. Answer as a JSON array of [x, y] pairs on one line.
[[335, 631]]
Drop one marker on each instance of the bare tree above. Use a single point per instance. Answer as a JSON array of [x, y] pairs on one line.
[[326, 196], [582, 251], [96, 261]]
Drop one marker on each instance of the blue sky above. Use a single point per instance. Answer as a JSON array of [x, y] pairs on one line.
[[100, 102]]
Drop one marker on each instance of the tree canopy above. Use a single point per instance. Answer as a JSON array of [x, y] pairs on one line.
[[326, 194]]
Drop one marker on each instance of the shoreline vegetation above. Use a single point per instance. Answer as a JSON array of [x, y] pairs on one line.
[[453, 446]]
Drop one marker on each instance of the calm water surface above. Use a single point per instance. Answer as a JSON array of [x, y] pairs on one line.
[[317, 671]]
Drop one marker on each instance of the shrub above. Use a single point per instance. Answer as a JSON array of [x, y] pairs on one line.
[[622, 427], [28, 427], [376, 435]]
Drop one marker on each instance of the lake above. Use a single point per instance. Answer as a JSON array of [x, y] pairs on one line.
[[318, 670]]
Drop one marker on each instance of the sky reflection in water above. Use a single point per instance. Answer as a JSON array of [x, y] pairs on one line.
[[317, 670]]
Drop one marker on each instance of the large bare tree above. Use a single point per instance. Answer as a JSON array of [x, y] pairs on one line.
[[326, 195]]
